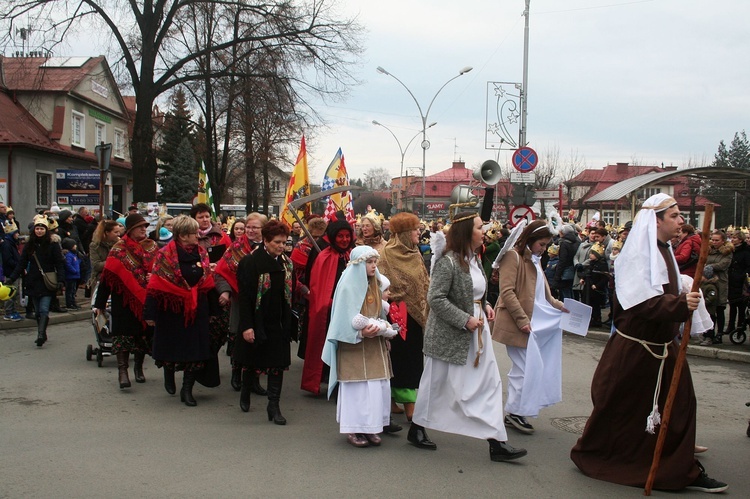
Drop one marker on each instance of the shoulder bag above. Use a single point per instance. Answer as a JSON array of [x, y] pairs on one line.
[[49, 278]]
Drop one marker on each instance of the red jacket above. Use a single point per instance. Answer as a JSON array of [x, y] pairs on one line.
[[688, 246]]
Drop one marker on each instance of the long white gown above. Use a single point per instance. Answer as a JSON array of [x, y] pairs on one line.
[[535, 377], [464, 399]]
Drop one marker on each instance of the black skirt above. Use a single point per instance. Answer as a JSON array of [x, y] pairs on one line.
[[407, 357]]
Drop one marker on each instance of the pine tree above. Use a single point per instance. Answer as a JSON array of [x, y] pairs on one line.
[[739, 151], [721, 158], [179, 183], [177, 125]]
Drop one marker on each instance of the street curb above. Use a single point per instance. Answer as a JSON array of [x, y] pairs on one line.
[[695, 350], [54, 318]]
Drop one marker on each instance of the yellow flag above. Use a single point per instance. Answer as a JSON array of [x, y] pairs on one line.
[[299, 186]]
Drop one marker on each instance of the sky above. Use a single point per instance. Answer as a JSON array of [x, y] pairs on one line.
[[647, 81]]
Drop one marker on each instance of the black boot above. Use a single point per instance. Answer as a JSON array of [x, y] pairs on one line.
[[186, 394], [274, 394], [502, 451], [255, 384], [138, 367], [169, 384], [236, 378], [418, 436], [41, 335], [244, 389], [122, 369]]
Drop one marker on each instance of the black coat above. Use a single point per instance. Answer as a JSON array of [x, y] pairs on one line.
[[737, 271], [173, 340], [50, 258], [271, 322], [568, 246], [124, 321]]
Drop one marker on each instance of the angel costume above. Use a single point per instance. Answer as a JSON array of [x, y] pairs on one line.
[[360, 366]]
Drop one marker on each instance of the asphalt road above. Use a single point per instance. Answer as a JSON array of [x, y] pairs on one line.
[[67, 430]]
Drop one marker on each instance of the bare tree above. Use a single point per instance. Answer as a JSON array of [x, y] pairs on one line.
[[155, 55], [377, 179]]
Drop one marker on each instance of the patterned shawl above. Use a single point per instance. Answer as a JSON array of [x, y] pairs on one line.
[[227, 266], [405, 268], [126, 271], [170, 289]]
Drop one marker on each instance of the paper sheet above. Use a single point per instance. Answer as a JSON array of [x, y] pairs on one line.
[[577, 321]]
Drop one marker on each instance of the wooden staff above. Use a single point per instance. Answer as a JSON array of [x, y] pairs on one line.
[[681, 355]]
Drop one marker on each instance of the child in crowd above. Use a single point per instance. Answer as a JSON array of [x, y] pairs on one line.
[[596, 281], [72, 272], [10, 257], [549, 271], [710, 288], [357, 352]]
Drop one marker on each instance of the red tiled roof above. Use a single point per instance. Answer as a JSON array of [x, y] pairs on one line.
[[19, 128], [28, 74]]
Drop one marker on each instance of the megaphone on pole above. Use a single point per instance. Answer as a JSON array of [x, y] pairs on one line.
[[489, 172]]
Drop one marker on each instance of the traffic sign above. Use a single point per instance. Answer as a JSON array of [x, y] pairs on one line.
[[521, 212], [546, 194], [522, 178], [525, 159]]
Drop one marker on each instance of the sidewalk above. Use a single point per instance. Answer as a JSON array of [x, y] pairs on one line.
[[54, 317]]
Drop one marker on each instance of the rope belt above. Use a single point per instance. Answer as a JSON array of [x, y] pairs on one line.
[[480, 329], [654, 418]]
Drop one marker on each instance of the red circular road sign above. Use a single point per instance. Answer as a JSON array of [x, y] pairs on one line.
[[525, 159], [521, 212]]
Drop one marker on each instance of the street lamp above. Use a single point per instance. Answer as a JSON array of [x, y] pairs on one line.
[[425, 143], [403, 153]]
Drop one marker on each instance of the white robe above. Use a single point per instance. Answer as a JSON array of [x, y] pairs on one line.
[[535, 378], [464, 399]]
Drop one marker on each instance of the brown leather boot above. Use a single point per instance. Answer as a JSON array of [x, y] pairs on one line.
[[122, 369]]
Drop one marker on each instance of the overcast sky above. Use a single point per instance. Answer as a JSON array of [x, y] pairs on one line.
[[656, 81]]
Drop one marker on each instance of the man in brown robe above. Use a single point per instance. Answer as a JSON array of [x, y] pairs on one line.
[[615, 445]]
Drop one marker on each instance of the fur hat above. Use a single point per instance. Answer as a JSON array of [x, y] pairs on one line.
[[598, 249], [404, 221]]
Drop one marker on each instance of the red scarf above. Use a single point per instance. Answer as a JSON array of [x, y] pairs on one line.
[[126, 271], [227, 266], [170, 289]]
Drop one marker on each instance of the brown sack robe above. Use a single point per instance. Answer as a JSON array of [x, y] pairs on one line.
[[615, 446]]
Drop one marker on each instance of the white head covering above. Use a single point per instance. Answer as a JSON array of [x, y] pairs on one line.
[[641, 270]]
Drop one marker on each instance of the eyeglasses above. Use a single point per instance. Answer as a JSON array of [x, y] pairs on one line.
[[252, 227]]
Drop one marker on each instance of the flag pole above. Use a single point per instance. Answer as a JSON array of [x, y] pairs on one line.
[[681, 355]]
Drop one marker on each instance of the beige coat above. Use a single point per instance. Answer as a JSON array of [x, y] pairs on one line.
[[515, 304], [366, 360]]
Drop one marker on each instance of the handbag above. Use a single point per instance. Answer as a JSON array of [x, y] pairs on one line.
[[49, 278]]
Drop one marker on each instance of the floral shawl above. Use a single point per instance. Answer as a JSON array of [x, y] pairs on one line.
[[227, 266], [170, 289], [126, 271]]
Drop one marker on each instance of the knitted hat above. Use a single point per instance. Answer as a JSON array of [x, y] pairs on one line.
[[553, 250], [121, 221], [598, 249], [403, 222], [64, 215], [54, 208], [165, 235], [68, 243], [133, 221], [708, 271], [385, 283]]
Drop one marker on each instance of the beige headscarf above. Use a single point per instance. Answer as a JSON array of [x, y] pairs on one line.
[[405, 268]]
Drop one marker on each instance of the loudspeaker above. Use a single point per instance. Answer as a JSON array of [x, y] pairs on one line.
[[487, 204], [462, 194], [489, 172]]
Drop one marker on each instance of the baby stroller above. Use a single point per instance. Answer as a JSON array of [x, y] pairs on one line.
[[102, 326], [738, 335]]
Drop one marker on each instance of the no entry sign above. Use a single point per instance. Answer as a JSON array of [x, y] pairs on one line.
[[525, 159], [521, 212]]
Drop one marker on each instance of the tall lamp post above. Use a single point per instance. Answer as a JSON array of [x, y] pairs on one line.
[[425, 143], [403, 153]]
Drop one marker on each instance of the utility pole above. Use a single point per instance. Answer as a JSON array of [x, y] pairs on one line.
[[525, 84]]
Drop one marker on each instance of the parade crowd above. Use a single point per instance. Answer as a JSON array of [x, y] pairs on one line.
[[399, 316]]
